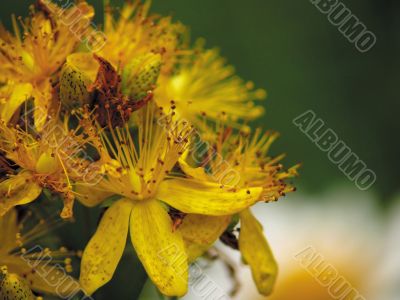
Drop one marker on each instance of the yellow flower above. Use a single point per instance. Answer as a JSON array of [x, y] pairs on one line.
[[139, 99], [135, 32], [237, 161], [139, 168], [36, 268], [32, 57], [204, 87], [47, 160]]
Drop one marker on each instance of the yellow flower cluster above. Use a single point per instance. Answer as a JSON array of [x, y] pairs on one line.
[[144, 124]]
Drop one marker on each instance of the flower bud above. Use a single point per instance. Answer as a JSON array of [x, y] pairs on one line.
[[13, 287], [77, 74], [140, 75]]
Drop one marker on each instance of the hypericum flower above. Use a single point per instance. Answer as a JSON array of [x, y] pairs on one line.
[[237, 162], [47, 160], [203, 85], [138, 167], [36, 268], [32, 57], [135, 32]]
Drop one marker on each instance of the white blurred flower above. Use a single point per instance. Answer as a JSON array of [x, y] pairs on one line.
[[345, 227]]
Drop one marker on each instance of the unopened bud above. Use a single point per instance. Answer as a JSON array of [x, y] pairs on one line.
[[140, 75], [13, 287], [77, 74]]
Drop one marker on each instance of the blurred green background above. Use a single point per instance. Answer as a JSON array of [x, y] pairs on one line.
[[290, 48]]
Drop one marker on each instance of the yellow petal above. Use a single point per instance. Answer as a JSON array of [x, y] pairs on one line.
[[42, 94], [194, 251], [196, 173], [105, 249], [47, 163], [257, 253], [203, 229], [44, 277], [18, 190], [200, 232], [91, 195], [21, 92], [160, 250], [9, 230], [206, 199]]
